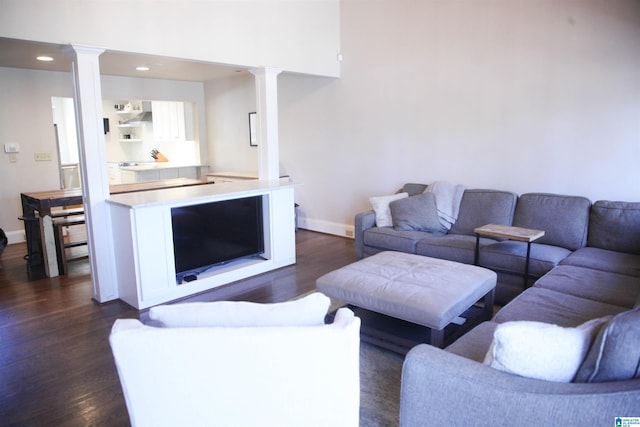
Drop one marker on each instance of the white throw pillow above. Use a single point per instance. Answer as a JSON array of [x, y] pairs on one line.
[[306, 311], [380, 205], [541, 350]]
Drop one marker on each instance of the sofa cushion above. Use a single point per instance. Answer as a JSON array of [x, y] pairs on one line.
[[307, 311], [615, 355], [596, 285], [380, 205], [549, 306], [565, 219], [540, 350], [454, 247], [605, 260], [511, 256], [416, 213], [615, 226], [388, 238], [475, 343], [480, 207]]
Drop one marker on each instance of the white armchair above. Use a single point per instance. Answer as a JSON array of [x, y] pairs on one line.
[[205, 373]]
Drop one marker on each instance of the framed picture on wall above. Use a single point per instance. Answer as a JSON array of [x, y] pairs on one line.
[[253, 139]]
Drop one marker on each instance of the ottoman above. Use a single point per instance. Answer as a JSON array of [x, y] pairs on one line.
[[424, 291]]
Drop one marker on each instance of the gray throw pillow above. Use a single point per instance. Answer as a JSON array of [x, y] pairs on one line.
[[615, 354], [417, 213]]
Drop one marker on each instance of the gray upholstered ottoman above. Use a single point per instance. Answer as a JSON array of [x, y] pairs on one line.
[[425, 291]]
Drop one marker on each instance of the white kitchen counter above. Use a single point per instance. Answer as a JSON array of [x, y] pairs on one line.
[[144, 166], [193, 195], [154, 171]]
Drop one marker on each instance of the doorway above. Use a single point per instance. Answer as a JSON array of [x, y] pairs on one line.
[[64, 125]]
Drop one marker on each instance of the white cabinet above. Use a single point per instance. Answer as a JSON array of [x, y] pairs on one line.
[[128, 177], [169, 173], [113, 172], [144, 242], [168, 121], [190, 172]]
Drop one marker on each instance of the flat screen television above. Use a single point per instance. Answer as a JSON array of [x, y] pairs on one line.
[[215, 233]]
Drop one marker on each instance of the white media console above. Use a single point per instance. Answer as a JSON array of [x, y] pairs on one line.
[[143, 239]]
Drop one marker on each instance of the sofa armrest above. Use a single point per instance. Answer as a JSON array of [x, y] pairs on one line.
[[441, 388], [363, 221]]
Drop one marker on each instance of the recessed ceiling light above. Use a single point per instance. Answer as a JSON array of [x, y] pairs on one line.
[[143, 68], [44, 58]]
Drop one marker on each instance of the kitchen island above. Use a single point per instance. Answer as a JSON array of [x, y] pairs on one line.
[[129, 172], [144, 239]]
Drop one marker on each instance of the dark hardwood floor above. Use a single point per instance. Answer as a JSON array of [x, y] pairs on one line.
[[56, 367]]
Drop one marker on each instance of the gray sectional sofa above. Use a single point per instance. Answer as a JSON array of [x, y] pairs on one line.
[[587, 267], [565, 220]]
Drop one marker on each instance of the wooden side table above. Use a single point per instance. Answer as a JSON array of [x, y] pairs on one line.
[[512, 233]]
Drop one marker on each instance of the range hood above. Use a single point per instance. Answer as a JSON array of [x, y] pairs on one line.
[[145, 116]]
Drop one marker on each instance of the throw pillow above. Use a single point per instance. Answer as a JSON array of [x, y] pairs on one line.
[[615, 354], [416, 213], [541, 350], [306, 311], [380, 206]]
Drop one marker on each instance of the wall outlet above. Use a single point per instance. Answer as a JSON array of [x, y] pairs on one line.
[[348, 233], [13, 157], [42, 157]]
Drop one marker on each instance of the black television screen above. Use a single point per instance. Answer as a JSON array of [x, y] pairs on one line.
[[215, 233]]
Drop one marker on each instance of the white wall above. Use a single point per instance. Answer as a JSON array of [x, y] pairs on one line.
[[26, 118], [521, 95], [228, 104], [295, 35]]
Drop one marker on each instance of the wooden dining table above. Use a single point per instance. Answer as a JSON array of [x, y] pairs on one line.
[[37, 213]]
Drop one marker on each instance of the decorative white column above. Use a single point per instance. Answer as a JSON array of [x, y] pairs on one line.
[[93, 170], [267, 123]]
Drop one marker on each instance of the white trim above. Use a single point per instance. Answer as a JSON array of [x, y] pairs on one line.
[[16, 236], [327, 227]]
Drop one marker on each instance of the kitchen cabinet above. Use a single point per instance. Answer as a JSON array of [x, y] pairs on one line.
[[168, 121], [113, 172]]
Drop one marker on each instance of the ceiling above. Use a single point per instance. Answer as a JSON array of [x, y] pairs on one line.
[[22, 54]]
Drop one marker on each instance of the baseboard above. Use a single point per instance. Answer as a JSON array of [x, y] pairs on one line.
[[337, 229], [327, 227], [16, 236]]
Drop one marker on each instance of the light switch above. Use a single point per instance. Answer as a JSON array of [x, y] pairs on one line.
[[42, 157], [12, 148]]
